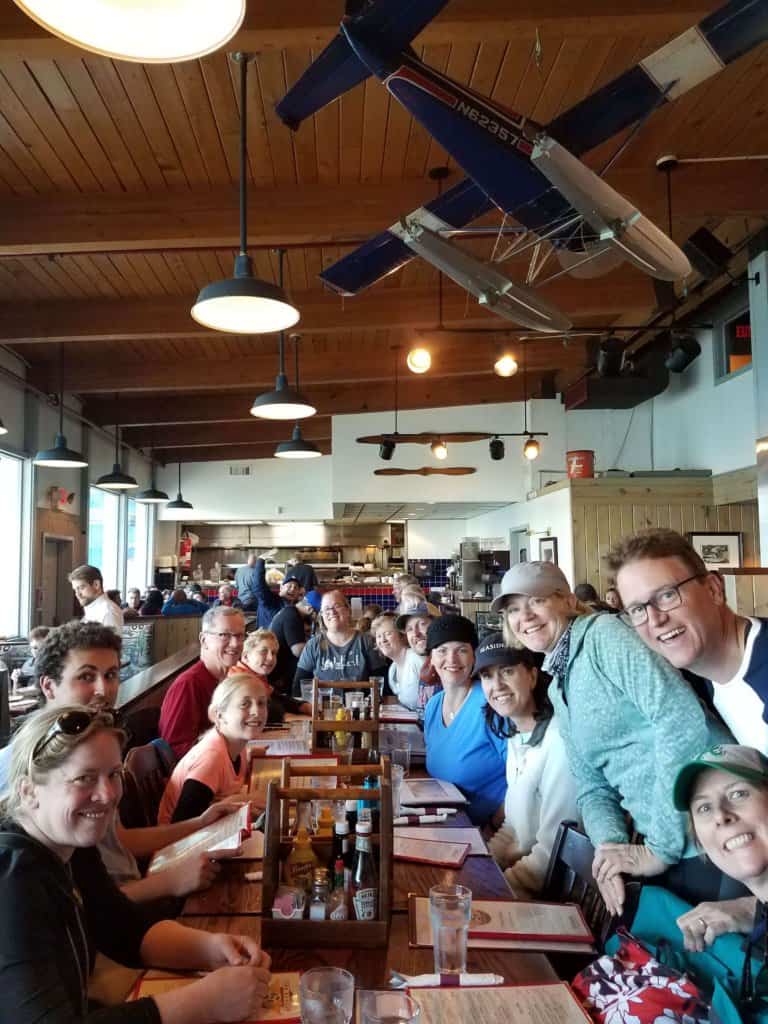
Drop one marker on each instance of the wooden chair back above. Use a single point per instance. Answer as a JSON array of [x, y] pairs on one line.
[[149, 770]]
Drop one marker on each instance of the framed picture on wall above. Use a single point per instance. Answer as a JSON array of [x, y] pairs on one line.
[[548, 549], [718, 550]]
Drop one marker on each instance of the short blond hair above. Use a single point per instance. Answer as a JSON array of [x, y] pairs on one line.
[[258, 636]]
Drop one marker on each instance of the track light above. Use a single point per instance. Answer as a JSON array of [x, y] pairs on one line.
[[531, 449], [685, 348], [505, 365], [610, 357], [496, 447], [419, 360], [439, 450], [386, 450]]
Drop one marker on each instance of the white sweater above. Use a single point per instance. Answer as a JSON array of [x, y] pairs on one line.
[[541, 792]]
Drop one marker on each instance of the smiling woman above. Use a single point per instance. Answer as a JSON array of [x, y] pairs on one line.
[[60, 907]]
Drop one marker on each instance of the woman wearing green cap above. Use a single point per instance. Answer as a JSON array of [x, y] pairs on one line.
[[725, 792], [628, 721]]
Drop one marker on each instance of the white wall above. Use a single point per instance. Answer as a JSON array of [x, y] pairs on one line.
[[276, 489], [435, 538], [546, 516]]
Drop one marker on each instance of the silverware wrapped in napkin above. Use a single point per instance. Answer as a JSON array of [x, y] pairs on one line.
[[446, 980]]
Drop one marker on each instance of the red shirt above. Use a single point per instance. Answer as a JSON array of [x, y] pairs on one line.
[[184, 714]]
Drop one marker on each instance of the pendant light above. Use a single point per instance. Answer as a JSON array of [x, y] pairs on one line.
[[243, 304], [153, 31], [117, 480], [297, 447], [284, 403], [152, 496], [3, 428], [60, 457], [179, 502], [531, 448]]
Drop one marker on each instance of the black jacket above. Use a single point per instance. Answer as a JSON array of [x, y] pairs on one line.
[[53, 919]]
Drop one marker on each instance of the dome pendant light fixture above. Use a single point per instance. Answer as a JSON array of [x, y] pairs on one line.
[[117, 480], [243, 304], [179, 503], [151, 31], [284, 403], [152, 496], [60, 457], [297, 447]]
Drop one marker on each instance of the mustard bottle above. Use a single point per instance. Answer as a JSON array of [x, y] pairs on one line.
[[301, 862], [325, 823]]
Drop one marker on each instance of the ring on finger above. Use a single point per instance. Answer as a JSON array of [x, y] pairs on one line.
[[703, 923]]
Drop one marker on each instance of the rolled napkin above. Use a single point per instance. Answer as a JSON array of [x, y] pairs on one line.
[[445, 980]]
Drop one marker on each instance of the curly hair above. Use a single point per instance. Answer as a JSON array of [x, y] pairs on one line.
[[76, 635]]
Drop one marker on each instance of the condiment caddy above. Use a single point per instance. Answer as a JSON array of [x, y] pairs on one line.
[[345, 879]]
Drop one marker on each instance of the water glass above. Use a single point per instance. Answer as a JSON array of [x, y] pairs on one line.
[[306, 690], [388, 1008], [354, 698], [343, 748], [326, 996], [401, 756], [380, 681], [450, 908], [398, 774]]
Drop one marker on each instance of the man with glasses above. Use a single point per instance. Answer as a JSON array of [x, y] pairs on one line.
[[678, 608], [184, 714]]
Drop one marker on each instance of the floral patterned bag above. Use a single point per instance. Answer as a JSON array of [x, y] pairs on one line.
[[633, 987]]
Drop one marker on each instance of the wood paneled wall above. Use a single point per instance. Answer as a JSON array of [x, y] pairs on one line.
[[604, 511], [747, 593]]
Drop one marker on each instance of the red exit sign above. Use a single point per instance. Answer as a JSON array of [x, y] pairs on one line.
[[743, 331]]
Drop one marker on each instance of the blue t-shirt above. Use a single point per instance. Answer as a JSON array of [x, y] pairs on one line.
[[467, 754]]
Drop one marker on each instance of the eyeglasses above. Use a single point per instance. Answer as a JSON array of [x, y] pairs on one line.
[[72, 723], [664, 600], [225, 636]]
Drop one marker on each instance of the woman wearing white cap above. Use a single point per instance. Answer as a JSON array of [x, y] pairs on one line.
[[541, 791], [628, 721]]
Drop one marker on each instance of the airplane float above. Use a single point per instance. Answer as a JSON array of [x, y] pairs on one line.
[[532, 173]]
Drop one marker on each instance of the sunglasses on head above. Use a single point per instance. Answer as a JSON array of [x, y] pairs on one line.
[[72, 723]]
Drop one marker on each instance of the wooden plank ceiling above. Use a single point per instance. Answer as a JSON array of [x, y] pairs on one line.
[[118, 201]]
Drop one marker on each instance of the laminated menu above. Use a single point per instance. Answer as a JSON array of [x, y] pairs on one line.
[[511, 924], [441, 834], [415, 792], [545, 1003], [226, 834], [281, 1003], [397, 713], [427, 851]]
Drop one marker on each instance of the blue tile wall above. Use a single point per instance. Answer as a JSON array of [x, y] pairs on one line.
[[437, 569]]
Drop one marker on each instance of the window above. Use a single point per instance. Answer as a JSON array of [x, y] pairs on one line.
[[732, 335], [138, 529], [11, 498], [103, 534]]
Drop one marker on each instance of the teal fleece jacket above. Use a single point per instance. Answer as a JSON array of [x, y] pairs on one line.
[[629, 722]]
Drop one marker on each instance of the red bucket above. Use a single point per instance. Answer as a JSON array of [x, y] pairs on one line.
[[580, 464]]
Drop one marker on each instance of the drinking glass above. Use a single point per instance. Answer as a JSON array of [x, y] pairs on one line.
[[326, 996], [388, 1008], [343, 748], [353, 698], [401, 756], [379, 680], [306, 690], [398, 774], [450, 907]]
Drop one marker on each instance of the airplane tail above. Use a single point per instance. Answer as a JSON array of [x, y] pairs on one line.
[[393, 23]]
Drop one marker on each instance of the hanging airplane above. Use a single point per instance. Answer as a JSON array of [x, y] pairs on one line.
[[532, 173]]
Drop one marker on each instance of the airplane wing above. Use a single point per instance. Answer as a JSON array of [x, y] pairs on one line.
[[519, 188], [394, 23]]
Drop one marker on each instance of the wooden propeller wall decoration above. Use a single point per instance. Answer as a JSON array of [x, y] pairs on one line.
[[427, 471]]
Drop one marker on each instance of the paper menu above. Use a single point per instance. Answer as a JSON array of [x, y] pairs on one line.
[[546, 927], [416, 792], [469, 835], [548, 1003], [281, 1004], [427, 851], [225, 834], [397, 713]]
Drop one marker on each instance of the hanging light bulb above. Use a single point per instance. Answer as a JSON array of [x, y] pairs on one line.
[[159, 31], [505, 365], [439, 450], [419, 360], [243, 304], [531, 449]]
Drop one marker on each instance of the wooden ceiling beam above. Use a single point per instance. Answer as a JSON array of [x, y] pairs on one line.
[[310, 214], [321, 312], [365, 364], [229, 452], [200, 435], [213, 409], [312, 23]]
